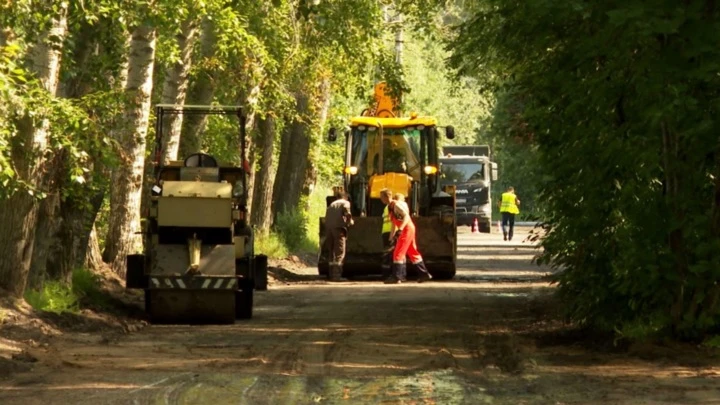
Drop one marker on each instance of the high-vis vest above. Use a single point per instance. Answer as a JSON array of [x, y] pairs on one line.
[[508, 203], [387, 225]]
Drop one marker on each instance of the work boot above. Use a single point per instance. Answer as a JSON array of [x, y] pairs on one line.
[[397, 274], [386, 272], [335, 273], [402, 272], [424, 274]]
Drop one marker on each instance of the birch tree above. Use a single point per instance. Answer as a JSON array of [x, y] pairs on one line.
[[29, 148], [175, 86], [127, 178], [261, 215], [201, 88]]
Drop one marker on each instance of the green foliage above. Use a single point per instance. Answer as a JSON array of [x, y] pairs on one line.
[[316, 205], [59, 297], [12, 79], [620, 100], [86, 285], [712, 342], [54, 296], [221, 139], [517, 158], [291, 227], [271, 245], [435, 93], [295, 231]]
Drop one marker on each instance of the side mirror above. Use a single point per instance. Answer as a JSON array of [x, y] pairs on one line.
[[332, 136], [494, 171], [450, 132]]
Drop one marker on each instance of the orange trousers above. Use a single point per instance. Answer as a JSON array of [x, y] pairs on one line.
[[406, 246]]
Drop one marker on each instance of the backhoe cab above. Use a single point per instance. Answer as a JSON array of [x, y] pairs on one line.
[[198, 263], [401, 154]]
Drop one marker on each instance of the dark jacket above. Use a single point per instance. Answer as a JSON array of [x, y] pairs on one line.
[[338, 214]]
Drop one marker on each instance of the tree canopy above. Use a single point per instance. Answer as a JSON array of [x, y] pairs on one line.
[[621, 100], [601, 114]]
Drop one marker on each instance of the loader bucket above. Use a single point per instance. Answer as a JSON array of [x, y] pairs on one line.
[[436, 239]]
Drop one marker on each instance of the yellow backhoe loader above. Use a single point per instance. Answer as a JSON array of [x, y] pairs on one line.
[[384, 150]]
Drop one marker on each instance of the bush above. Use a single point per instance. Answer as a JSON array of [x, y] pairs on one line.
[[316, 209], [54, 296], [295, 231], [86, 285], [299, 228], [58, 297], [271, 245], [627, 156], [291, 227]]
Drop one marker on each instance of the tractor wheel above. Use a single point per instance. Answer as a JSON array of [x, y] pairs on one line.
[[323, 269], [244, 299], [443, 272]]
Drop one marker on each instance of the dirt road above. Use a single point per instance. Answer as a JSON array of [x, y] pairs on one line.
[[489, 336]]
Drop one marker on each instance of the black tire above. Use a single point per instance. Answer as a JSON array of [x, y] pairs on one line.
[[147, 302], [323, 269], [244, 299], [484, 227], [446, 272]]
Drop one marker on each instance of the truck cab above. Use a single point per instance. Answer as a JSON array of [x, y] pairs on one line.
[[470, 170]]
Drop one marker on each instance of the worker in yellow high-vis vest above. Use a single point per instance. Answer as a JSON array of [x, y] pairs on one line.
[[509, 204], [386, 197]]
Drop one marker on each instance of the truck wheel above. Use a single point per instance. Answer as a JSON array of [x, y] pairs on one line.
[[244, 299], [485, 227]]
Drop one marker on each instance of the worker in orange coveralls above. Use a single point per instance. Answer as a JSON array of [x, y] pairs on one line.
[[405, 245]]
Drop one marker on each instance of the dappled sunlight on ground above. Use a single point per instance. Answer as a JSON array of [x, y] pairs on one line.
[[492, 335]]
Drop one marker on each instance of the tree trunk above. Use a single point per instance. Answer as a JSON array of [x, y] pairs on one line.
[[293, 161], [261, 213], [73, 237], [323, 103], [50, 222], [126, 188], [18, 213], [249, 157], [201, 91], [175, 89], [93, 255]]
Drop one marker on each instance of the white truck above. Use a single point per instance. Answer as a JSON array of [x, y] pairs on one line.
[[471, 170]]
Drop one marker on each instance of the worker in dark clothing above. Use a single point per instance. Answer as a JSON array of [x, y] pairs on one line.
[[338, 219]]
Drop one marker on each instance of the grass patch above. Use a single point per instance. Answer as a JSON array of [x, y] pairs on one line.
[[59, 297], [316, 209], [271, 245], [295, 231], [299, 227]]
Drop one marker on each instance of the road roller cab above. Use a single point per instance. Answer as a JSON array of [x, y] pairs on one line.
[[198, 263]]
